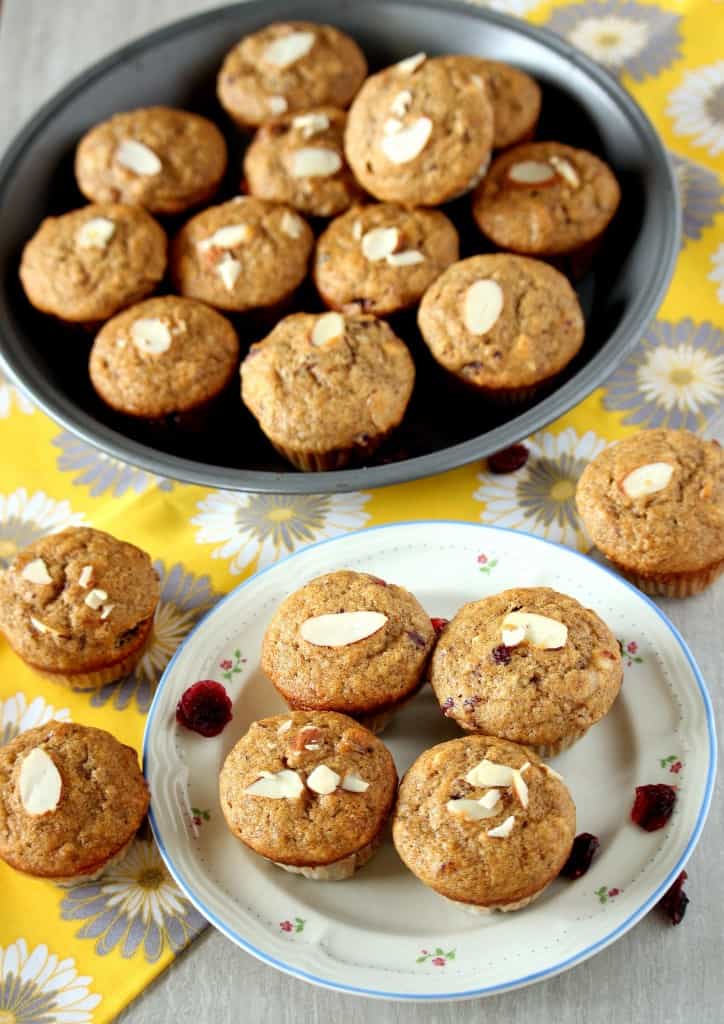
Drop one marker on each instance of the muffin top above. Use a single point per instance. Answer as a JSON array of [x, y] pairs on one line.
[[241, 255], [163, 356], [299, 159], [102, 800], [502, 321], [420, 132], [321, 382], [529, 664], [654, 502], [164, 159], [75, 600], [361, 675], [89, 263], [288, 66], [329, 784], [442, 832], [380, 258], [543, 198]]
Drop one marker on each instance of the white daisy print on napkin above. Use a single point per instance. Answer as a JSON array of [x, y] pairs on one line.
[[39, 987], [717, 273], [17, 715], [697, 107], [25, 518]]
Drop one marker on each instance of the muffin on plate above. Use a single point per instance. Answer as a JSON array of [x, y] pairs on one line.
[[529, 665], [71, 801], [653, 504], [484, 823], [299, 159], [381, 258], [310, 791], [164, 159], [78, 606], [289, 66], [420, 132], [504, 325], [164, 358], [348, 642], [246, 254], [88, 264], [327, 389]]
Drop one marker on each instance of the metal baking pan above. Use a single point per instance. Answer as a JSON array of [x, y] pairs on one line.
[[582, 105]]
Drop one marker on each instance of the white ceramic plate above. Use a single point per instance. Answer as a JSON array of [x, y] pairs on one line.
[[383, 933]]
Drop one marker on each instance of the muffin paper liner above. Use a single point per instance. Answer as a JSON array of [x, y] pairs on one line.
[[338, 870], [672, 584], [101, 676]]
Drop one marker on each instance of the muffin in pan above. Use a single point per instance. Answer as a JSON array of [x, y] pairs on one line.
[[289, 66], [78, 606], [530, 665], [653, 504], [165, 159], [311, 791], [88, 264], [348, 642], [484, 823], [381, 258], [71, 801]]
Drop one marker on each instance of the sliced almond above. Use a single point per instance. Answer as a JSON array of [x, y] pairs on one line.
[[228, 270], [531, 172], [151, 336], [85, 576], [291, 224], [106, 610], [285, 726], [504, 830], [312, 746], [323, 780], [520, 788], [408, 143], [327, 327], [137, 157], [540, 630], [288, 49], [283, 785], [392, 125], [512, 635], [490, 799], [401, 103], [311, 124], [341, 629], [39, 626], [379, 242], [357, 230], [39, 782], [482, 306], [96, 233], [566, 170], [406, 258], [473, 810], [96, 598], [489, 773], [36, 572], [277, 105], [227, 237], [647, 479], [315, 162], [354, 784], [410, 64]]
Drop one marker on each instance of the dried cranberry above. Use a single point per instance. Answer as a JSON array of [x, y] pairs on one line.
[[204, 708], [501, 654], [438, 625], [675, 901], [509, 459], [653, 806], [581, 855], [418, 641], [447, 706]]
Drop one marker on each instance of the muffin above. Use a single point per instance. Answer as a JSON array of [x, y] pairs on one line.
[[420, 132], [544, 198], [328, 389], [78, 606], [245, 254], [299, 159], [381, 258], [71, 800], [166, 357], [484, 823], [653, 504], [87, 264], [289, 66], [310, 791], [529, 665], [504, 325], [164, 159], [348, 642]]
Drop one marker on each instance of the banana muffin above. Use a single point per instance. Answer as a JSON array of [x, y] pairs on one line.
[[299, 159], [328, 389], [166, 357], [246, 254], [484, 823], [71, 800], [78, 606], [88, 264], [653, 504], [529, 665], [420, 132], [164, 159], [310, 791], [348, 642], [381, 258], [289, 66], [545, 199], [504, 325]]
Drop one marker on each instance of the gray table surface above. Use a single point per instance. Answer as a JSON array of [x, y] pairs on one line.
[[655, 973]]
